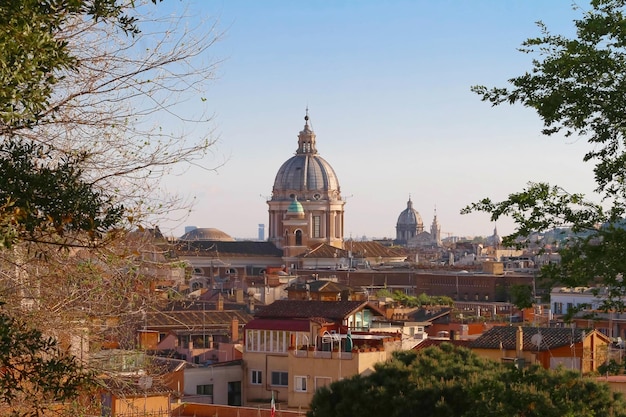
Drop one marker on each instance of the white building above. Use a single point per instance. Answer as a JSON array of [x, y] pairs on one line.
[[563, 299]]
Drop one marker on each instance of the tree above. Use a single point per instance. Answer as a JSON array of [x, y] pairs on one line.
[[32, 365], [83, 84], [413, 301], [522, 296], [452, 381], [47, 201], [34, 54], [107, 80], [577, 87]]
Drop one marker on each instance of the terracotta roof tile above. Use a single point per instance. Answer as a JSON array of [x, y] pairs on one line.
[[194, 320], [324, 251], [301, 309], [504, 337], [429, 314], [436, 342], [318, 286], [225, 249], [371, 249], [358, 250]]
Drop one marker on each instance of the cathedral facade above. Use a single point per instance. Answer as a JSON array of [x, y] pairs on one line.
[[306, 207], [410, 229]]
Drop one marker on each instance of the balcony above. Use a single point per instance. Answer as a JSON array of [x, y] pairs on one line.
[[325, 354]]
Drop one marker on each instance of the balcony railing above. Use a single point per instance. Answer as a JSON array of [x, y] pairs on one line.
[[322, 354]]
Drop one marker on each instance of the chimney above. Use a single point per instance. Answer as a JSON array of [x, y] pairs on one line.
[[234, 330], [251, 304], [519, 342], [220, 302], [239, 296]]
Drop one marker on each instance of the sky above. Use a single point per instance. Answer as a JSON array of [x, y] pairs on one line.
[[387, 85]]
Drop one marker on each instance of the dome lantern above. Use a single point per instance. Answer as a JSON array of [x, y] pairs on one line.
[[306, 138]]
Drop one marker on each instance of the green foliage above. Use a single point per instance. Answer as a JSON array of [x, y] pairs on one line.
[[452, 381], [611, 368], [522, 296], [577, 87], [542, 207], [384, 293], [45, 198], [33, 366], [412, 301], [33, 53]]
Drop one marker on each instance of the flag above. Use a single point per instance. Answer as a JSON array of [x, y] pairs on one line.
[[272, 406]]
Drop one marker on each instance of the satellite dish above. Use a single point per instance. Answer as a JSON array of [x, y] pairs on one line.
[[145, 382], [536, 339]]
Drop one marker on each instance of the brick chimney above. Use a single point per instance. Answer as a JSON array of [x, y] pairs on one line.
[[220, 302], [234, 330]]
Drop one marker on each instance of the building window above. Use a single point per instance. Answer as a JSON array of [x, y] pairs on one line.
[[183, 341], [317, 230], [558, 308], [322, 381], [234, 393], [204, 389], [300, 382], [298, 237], [280, 379], [272, 340], [201, 342], [256, 377]]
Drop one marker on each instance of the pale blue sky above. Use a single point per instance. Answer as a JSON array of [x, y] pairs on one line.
[[388, 89]]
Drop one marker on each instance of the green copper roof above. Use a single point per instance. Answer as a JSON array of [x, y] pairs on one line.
[[295, 207]]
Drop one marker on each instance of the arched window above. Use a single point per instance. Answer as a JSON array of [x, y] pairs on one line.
[[298, 237]]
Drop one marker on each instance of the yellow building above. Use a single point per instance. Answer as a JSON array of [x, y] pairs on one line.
[[575, 349], [294, 347]]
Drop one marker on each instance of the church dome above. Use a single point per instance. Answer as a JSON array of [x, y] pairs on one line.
[[305, 207], [207, 233], [295, 207], [306, 175], [410, 216]]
